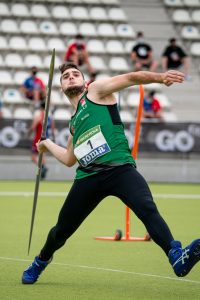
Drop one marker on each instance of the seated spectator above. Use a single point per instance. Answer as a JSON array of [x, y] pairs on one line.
[[142, 55], [33, 87], [77, 54], [174, 57], [152, 107]]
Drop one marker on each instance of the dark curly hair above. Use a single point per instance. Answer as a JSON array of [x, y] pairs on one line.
[[67, 66]]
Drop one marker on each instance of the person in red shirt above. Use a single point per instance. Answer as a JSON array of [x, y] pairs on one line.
[[77, 54], [152, 107], [36, 127]]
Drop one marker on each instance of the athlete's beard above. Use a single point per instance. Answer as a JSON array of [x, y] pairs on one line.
[[72, 91]]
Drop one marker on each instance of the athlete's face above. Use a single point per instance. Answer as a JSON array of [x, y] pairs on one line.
[[72, 82]]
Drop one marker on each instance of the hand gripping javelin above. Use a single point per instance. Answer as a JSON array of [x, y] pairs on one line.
[[43, 136]]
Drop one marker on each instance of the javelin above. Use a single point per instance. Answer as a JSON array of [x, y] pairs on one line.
[[43, 137]]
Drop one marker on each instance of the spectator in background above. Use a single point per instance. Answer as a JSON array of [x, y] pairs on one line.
[[152, 107], [77, 54], [142, 55], [33, 87], [36, 127], [174, 57]]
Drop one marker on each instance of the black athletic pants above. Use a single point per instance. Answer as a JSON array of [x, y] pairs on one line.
[[123, 182]]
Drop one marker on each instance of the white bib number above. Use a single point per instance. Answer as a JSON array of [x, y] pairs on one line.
[[91, 145]]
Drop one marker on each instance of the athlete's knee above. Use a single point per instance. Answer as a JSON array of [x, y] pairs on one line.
[[147, 208]]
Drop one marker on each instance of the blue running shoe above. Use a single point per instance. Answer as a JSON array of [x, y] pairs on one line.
[[31, 275], [183, 260]]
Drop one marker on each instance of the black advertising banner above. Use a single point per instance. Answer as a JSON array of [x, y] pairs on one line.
[[167, 137], [154, 137], [14, 133]]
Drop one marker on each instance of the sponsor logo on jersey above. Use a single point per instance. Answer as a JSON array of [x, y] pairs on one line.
[[83, 103], [92, 155]]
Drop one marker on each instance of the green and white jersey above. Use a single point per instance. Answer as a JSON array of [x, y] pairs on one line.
[[98, 138]]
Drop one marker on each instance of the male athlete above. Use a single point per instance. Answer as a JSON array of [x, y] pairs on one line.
[[106, 167]]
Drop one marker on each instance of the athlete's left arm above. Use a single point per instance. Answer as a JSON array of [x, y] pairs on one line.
[[108, 86]]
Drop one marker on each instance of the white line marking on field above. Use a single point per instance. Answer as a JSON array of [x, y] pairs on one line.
[[177, 196], [107, 270], [30, 194], [64, 194]]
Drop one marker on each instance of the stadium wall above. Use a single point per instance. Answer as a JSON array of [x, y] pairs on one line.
[[153, 169]]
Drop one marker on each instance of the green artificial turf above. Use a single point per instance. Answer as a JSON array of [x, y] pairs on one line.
[[86, 268]]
